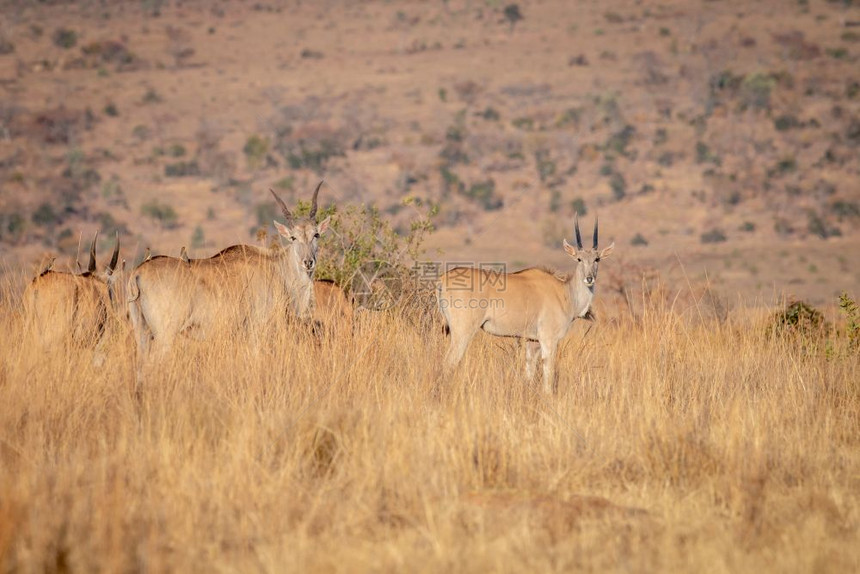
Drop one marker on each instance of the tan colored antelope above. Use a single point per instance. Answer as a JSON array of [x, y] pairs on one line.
[[536, 305], [242, 286], [73, 308], [333, 308]]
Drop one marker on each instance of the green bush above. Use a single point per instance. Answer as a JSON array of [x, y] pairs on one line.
[[490, 114], [198, 239], [756, 91], [367, 257], [256, 149], [852, 317], [161, 212], [618, 185], [65, 38], [798, 318], [314, 156], [44, 215], [484, 193], [713, 236], [182, 169]]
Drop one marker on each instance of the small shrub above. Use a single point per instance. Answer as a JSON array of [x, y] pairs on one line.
[[161, 212], [756, 91], [525, 124], [6, 47], [266, 212], [113, 193], [176, 150], [453, 153], [256, 149], [490, 114], [484, 193], [578, 206], [44, 215], [545, 166], [570, 117], [65, 38], [182, 169], [450, 181], [665, 32], [285, 183], [152, 97], [638, 240], [512, 15], [713, 236], [141, 133], [852, 318], [618, 141], [786, 122], [618, 185], [845, 209], [747, 227], [784, 166], [12, 226], [704, 154], [198, 239], [798, 318], [313, 155], [837, 53], [666, 159], [111, 110]]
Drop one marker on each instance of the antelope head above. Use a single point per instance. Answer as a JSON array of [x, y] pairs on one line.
[[302, 233], [586, 259]]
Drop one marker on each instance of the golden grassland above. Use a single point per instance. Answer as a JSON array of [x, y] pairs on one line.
[[672, 444]]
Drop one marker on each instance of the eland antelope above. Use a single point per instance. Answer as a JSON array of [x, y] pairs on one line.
[[333, 308], [242, 286], [73, 308], [536, 305]]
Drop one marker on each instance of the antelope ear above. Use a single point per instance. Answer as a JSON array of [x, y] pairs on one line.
[[606, 251], [323, 225], [570, 249], [283, 230]]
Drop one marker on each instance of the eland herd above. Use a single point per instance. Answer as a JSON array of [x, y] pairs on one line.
[[249, 289]]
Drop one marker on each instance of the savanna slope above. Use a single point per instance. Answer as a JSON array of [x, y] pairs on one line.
[[672, 445], [721, 134]]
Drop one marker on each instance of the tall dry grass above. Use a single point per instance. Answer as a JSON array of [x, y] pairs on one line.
[[672, 445]]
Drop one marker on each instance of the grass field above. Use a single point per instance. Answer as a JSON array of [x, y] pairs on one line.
[[672, 444]]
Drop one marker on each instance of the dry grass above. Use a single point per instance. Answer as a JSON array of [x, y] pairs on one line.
[[670, 446]]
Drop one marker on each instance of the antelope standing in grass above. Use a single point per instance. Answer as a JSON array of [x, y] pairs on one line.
[[73, 308], [536, 305], [242, 286]]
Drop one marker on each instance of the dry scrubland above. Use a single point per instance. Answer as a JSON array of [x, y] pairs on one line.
[[673, 444], [724, 133]]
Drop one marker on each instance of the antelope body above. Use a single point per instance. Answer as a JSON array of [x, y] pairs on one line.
[[536, 305], [72, 308], [332, 306], [242, 286]]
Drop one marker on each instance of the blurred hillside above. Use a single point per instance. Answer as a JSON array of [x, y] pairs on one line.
[[718, 140]]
